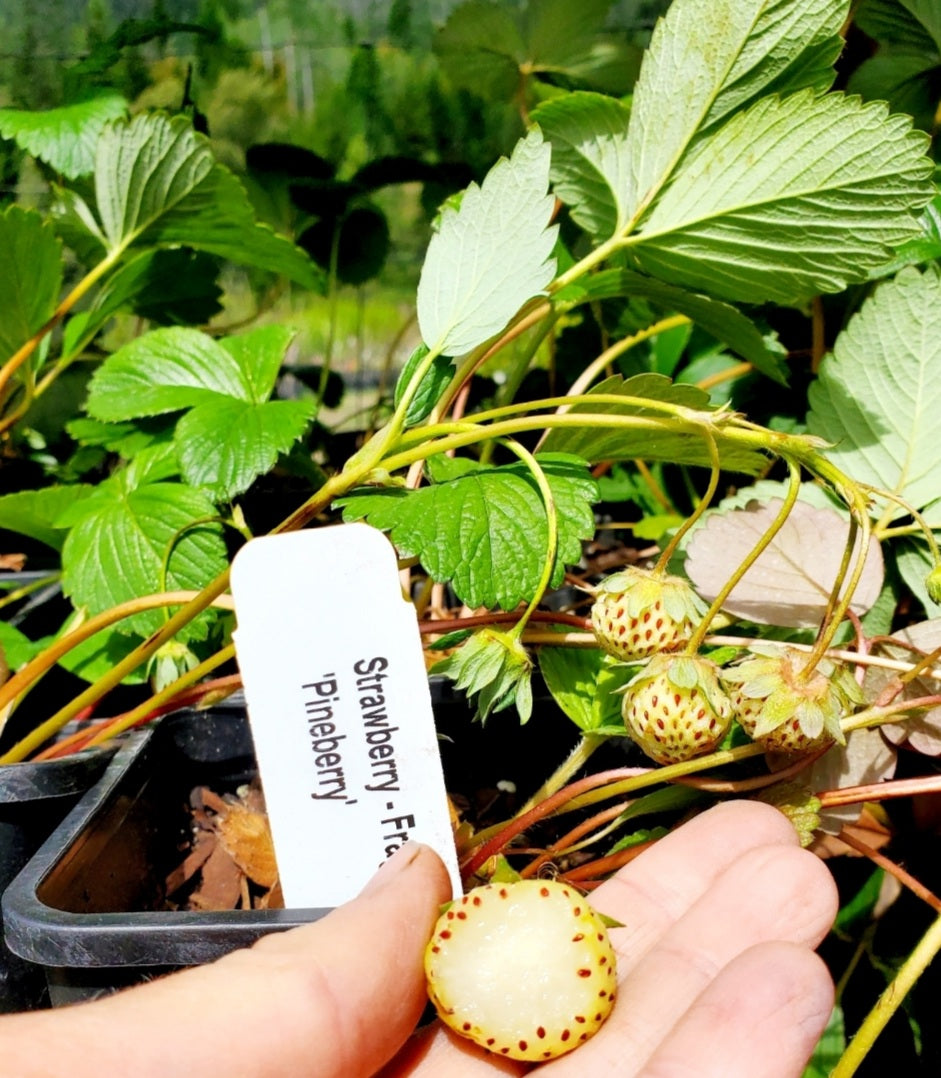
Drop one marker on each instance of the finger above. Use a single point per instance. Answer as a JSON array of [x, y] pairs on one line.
[[760, 1018], [653, 892], [437, 1051], [334, 999], [771, 893]]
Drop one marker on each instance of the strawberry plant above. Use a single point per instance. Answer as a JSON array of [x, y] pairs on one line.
[[755, 647]]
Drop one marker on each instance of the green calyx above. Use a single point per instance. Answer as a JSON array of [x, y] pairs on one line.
[[778, 678], [799, 804], [686, 674], [495, 668], [641, 588]]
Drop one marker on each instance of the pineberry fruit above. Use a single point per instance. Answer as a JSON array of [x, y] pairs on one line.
[[524, 969], [785, 707], [675, 708], [637, 613]]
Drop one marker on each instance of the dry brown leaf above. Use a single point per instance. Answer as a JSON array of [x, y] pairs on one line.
[[868, 829], [790, 582], [865, 759], [244, 833], [922, 730], [220, 884]]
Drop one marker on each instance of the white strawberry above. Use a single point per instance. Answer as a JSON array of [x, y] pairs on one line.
[[524, 969], [784, 705], [639, 612], [675, 709]]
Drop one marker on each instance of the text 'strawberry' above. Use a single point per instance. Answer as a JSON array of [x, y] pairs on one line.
[[638, 613], [786, 707], [526, 969], [675, 708]]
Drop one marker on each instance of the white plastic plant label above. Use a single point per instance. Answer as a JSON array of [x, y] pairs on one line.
[[339, 708]]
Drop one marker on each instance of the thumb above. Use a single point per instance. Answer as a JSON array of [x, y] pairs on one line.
[[334, 999]]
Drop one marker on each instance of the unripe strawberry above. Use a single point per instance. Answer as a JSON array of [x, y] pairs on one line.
[[638, 613], [675, 708], [785, 707], [524, 969]]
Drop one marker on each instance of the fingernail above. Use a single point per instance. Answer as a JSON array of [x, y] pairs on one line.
[[403, 857]]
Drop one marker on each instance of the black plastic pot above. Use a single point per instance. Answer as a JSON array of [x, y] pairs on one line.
[[87, 907], [34, 797]]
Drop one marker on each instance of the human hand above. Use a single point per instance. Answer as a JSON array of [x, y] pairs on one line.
[[717, 978]]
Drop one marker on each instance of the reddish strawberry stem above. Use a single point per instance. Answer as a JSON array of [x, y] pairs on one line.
[[573, 836], [519, 824], [449, 625], [757, 782], [217, 687], [604, 866], [880, 791], [890, 866]]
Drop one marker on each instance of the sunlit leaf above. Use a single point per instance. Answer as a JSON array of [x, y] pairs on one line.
[[792, 197], [877, 398], [491, 255], [30, 275], [484, 528], [63, 137]]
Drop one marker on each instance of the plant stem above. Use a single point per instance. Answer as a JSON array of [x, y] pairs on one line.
[[889, 1002], [166, 694], [905, 878], [565, 772], [595, 788], [920, 522], [27, 589], [51, 654], [776, 525], [23, 353], [118, 672], [704, 502], [591, 372], [552, 534]]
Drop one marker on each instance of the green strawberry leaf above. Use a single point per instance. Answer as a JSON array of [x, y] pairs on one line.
[[584, 683], [877, 398], [158, 185], [483, 528], [829, 1048], [492, 667], [491, 255], [667, 444], [259, 354], [926, 247], [145, 539], [708, 58], [30, 276], [96, 656], [232, 433], [224, 444], [165, 370], [167, 287], [37, 513], [64, 138], [432, 384], [481, 47], [590, 168], [16, 648], [771, 205]]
